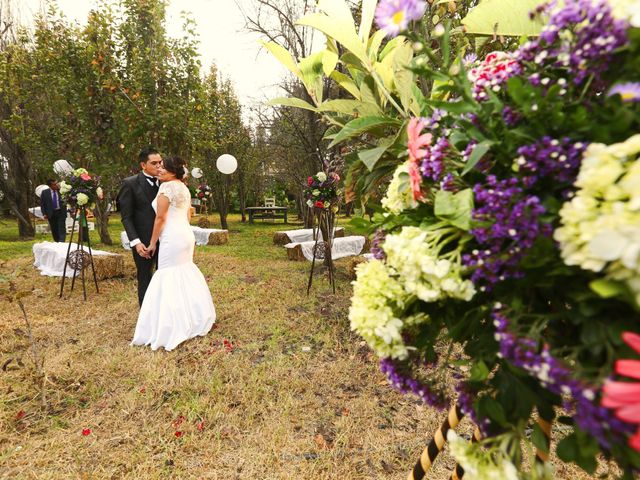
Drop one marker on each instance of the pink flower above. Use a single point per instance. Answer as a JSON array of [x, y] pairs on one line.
[[417, 140], [86, 177], [416, 180], [624, 397], [309, 181]]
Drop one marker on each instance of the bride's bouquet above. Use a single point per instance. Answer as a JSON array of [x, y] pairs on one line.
[[322, 191], [80, 189]]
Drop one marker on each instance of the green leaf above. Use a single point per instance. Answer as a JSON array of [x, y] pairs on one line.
[[454, 107], [608, 288], [539, 439], [368, 11], [312, 69], [347, 83], [477, 154], [340, 30], [503, 17], [455, 207], [292, 102], [329, 62], [362, 125], [370, 157], [479, 372], [283, 57]]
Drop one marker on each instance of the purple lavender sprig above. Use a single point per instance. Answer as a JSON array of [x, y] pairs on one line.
[[406, 384], [511, 225], [553, 375], [588, 50], [558, 159]]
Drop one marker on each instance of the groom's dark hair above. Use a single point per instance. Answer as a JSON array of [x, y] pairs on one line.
[[143, 156]]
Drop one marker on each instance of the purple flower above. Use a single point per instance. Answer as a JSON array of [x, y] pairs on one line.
[[550, 158], [510, 116], [629, 92], [469, 59], [448, 183], [393, 16], [581, 36], [509, 226], [405, 384], [376, 245], [432, 165], [556, 377]]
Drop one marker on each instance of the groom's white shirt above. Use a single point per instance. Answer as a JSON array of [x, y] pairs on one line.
[[153, 181]]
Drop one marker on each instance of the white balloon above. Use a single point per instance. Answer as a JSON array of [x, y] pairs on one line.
[[62, 167], [227, 164], [40, 189], [196, 172]]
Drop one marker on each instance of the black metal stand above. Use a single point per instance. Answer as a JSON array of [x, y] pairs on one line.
[[79, 259], [326, 222]]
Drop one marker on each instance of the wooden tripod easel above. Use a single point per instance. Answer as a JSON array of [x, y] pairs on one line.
[[79, 259], [324, 223]]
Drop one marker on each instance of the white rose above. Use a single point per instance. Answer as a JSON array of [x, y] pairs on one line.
[[82, 199], [99, 193], [316, 193], [309, 203], [322, 176]]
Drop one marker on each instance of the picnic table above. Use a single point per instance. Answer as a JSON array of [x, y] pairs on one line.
[[267, 212]]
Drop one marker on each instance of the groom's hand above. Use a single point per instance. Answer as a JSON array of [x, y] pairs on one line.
[[142, 250]]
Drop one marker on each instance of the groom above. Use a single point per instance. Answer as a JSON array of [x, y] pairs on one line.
[[134, 201]]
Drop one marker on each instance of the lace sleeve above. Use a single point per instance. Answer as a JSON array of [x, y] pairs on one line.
[[168, 190]]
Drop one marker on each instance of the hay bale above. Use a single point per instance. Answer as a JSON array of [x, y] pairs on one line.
[[219, 238], [367, 245], [204, 222], [108, 266], [295, 253], [353, 263], [280, 239], [339, 233]]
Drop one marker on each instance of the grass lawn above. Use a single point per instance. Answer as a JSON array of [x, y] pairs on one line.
[[298, 396]]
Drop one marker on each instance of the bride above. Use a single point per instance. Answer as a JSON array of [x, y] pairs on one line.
[[178, 304]]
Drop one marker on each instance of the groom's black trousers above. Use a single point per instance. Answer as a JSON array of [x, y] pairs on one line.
[[144, 267]]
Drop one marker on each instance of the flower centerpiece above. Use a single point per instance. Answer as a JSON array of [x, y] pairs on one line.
[[511, 233], [322, 191], [80, 189], [203, 191]]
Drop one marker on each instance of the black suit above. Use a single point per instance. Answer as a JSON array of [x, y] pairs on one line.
[[57, 217], [138, 216]]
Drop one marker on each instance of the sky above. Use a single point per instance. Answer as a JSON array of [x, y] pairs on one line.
[[238, 55]]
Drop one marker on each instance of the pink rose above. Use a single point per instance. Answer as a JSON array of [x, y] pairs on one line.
[[85, 176]]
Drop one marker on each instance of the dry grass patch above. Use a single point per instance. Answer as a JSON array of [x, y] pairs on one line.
[[297, 396]]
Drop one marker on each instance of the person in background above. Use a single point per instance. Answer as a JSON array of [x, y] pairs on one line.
[[54, 210]]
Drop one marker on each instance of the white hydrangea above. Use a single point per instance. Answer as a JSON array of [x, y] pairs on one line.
[[375, 312], [64, 188], [399, 196], [600, 226], [82, 199], [490, 462], [413, 254], [322, 176], [627, 10]]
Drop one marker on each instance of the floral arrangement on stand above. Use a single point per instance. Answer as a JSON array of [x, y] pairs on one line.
[[510, 238], [322, 191], [80, 189], [203, 192]]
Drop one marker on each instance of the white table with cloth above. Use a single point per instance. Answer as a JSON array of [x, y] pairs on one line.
[[342, 247]]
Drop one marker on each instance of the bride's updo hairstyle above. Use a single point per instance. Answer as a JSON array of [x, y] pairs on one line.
[[175, 165]]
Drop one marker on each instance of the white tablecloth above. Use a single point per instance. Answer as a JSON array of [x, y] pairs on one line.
[[302, 235], [36, 212], [201, 234], [50, 256], [342, 247]]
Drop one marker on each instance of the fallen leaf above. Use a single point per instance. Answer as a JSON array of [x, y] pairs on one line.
[[321, 442], [20, 415]]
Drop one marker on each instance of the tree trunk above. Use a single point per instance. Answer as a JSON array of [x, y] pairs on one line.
[[102, 219]]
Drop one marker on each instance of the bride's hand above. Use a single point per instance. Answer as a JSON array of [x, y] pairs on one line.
[[151, 250]]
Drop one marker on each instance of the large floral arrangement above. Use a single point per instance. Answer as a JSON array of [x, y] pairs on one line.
[[203, 192], [79, 188], [512, 229], [322, 190]]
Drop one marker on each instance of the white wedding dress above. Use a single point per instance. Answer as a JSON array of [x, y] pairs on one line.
[[178, 304]]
